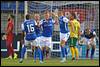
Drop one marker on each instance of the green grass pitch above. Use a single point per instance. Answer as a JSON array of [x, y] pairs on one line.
[[49, 62]]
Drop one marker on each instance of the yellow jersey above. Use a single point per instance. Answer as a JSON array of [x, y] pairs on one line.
[[76, 28]]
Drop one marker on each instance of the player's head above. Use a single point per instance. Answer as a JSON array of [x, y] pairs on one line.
[[37, 16], [87, 30], [10, 17], [27, 16], [60, 13], [47, 14], [72, 16]]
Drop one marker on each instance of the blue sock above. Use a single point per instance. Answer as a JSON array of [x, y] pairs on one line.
[[35, 53], [92, 53], [40, 54], [63, 52], [66, 51], [23, 50]]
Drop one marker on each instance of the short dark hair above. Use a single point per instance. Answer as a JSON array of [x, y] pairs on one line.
[[27, 16]]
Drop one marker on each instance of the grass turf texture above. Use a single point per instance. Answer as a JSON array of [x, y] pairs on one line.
[[50, 62]]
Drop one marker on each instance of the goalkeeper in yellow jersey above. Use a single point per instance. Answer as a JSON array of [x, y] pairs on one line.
[[74, 27]]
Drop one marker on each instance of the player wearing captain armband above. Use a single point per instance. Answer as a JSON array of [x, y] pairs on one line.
[[28, 29]]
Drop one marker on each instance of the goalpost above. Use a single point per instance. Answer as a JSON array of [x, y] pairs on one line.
[[25, 12]]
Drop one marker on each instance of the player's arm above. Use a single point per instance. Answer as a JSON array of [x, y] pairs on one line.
[[9, 29], [94, 36], [22, 37], [72, 26], [94, 33], [78, 30], [22, 34], [55, 15], [37, 23], [65, 20], [54, 22], [55, 18], [69, 26], [41, 22]]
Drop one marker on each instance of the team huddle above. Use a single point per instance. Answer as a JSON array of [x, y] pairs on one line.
[[38, 34]]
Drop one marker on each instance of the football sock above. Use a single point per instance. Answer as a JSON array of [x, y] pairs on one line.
[[40, 54], [23, 51], [35, 50], [72, 51], [66, 51], [76, 52], [92, 53], [63, 51]]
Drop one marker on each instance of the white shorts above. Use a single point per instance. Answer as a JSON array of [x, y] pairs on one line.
[[38, 41], [88, 41], [32, 42], [46, 41], [64, 36]]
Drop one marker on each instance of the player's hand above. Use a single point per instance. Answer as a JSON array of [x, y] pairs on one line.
[[4, 37], [55, 14]]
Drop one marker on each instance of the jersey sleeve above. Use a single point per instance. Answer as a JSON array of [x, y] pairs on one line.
[[65, 20], [53, 21], [22, 27], [35, 22], [41, 22], [82, 32], [94, 33]]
